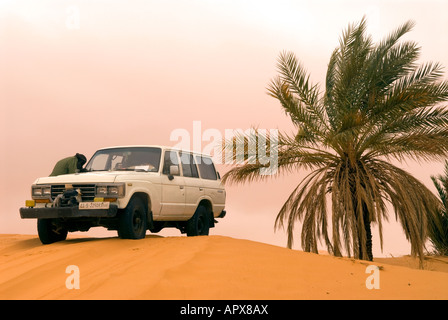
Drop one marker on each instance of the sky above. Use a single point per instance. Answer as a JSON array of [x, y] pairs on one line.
[[79, 75]]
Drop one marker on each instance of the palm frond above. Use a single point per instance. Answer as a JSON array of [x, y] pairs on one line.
[[291, 154], [438, 219]]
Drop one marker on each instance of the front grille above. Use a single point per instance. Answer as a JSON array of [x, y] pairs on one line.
[[87, 190]]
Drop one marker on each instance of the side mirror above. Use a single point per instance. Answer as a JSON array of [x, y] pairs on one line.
[[174, 171]]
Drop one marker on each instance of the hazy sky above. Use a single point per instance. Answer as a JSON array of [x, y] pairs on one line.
[[78, 75]]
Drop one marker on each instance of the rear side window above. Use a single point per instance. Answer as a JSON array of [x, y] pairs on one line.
[[189, 165], [206, 168]]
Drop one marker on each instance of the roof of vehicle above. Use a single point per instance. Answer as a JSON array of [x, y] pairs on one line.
[[155, 146]]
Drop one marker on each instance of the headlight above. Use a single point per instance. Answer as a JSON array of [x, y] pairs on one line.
[[101, 190], [46, 191], [115, 190], [37, 192], [40, 191]]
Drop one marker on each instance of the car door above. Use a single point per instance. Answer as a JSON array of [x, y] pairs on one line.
[[194, 188], [173, 187]]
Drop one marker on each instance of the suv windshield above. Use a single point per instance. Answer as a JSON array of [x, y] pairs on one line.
[[133, 159]]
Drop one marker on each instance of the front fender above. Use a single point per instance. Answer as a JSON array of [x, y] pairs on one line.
[[152, 190]]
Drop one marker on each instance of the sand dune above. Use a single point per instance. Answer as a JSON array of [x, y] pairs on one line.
[[213, 267]]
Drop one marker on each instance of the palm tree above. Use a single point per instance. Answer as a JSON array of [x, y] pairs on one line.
[[378, 105], [438, 223]]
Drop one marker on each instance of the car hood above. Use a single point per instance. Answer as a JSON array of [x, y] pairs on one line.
[[89, 177]]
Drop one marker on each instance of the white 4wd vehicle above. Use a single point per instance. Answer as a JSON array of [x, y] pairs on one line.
[[130, 189]]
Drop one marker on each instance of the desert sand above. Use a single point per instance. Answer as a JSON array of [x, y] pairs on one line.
[[205, 267]]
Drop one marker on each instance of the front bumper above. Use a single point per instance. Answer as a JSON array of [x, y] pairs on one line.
[[67, 212]]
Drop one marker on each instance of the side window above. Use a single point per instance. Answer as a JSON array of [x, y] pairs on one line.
[[194, 168], [188, 165], [206, 168], [170, 159]]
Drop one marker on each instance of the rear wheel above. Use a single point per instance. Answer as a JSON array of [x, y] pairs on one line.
[[50, 232], [132, 222], [199, 223]]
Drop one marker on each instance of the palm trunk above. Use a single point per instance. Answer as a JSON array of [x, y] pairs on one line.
[[368, 231], [367, 255]]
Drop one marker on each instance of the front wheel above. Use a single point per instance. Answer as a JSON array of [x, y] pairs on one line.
[[199, 223], [50, 232], [132, 222]]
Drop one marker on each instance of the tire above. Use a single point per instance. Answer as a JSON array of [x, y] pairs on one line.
[[49, 232], [132, 222], [199, 223]]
